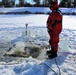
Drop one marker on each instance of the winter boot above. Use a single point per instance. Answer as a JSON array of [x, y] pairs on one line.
[[52, 55], [49, 52]]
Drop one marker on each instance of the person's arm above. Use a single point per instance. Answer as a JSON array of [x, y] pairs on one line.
[[49, 23]]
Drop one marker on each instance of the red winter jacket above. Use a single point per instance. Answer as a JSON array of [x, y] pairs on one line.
[[54, 19]]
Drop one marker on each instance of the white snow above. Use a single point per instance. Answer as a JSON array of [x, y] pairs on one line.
[[69, 22], [33, 20], [35, 9], [12, 31]]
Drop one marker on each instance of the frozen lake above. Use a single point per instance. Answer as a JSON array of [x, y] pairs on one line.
[[13, 33], [13, 30]]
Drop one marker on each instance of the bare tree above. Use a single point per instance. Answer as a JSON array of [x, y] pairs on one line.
[[12, 3], [45, 2]]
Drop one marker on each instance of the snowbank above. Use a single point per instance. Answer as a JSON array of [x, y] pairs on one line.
[[35, 9]]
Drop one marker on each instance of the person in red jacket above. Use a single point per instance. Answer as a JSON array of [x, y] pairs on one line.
[[54, 27]]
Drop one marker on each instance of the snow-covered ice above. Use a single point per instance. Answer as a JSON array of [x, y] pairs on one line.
[[13, 33]]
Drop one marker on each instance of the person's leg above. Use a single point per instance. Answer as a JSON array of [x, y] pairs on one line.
[[54, 40], [55, 37]]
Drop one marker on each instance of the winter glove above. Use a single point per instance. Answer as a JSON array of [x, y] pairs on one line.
[[49, 30]]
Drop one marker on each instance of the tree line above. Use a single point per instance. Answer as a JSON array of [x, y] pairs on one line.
[[36, 3], [22, 3]]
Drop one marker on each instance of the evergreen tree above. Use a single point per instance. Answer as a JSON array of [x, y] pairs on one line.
[[6, 3], [1, 4], [21, 3], [37, 2], [65, 3], [74, 3]]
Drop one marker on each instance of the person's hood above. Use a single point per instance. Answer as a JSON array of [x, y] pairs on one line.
[[56, 6]]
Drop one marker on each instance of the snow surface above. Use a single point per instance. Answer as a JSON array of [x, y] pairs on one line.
[[33, 20], [35, 9], [12, 31]]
